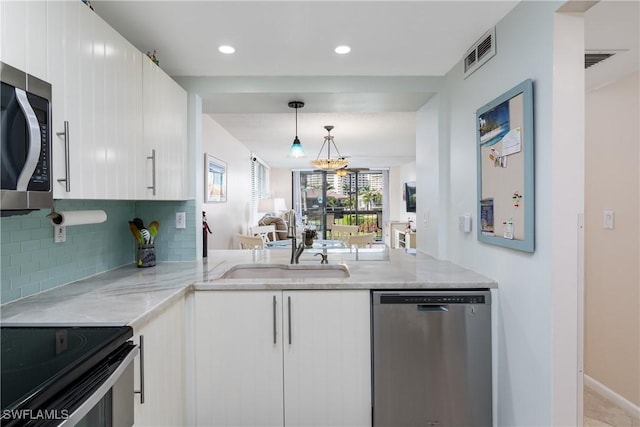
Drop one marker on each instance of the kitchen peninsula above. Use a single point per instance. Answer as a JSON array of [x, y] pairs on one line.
[[193, 322], [131, 295]]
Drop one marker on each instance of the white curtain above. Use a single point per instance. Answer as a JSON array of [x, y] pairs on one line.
[[259, 185], [296, 197]]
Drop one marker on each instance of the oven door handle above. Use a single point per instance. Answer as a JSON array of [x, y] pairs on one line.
[[104, 388]]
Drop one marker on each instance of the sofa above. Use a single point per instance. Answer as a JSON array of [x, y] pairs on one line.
[[281, 226]]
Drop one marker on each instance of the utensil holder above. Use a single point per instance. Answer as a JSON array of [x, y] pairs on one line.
[[146, 256]]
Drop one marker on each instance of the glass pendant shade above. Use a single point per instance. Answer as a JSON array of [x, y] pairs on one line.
[[296, 149], [328, 163]]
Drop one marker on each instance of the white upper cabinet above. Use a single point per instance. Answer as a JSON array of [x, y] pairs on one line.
[[164, 152], [96, 78], [23, 36], [118, 106]]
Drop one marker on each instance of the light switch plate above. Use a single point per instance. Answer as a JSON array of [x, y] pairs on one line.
[[608, 220], [181, 220], [464, 223]]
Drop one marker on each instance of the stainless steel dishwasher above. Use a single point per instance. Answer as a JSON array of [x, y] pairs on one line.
[[431, 358]]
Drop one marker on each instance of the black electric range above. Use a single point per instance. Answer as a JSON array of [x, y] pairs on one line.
[[47, 371]]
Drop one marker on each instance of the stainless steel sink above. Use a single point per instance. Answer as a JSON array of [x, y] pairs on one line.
[[286, 271]]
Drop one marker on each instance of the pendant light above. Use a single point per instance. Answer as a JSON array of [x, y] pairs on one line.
[[342, 172], [329, 163], [296, 149]]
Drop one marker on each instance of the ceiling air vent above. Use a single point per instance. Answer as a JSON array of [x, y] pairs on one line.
[[592, 58], [481, 51]]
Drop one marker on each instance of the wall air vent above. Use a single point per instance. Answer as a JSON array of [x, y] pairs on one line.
[[481, 51], [592, 58]]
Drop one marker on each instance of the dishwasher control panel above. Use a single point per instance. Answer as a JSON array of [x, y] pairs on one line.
[[432, 299]]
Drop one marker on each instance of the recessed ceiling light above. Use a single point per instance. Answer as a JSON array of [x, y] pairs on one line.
[[342, 50], [226, 49]]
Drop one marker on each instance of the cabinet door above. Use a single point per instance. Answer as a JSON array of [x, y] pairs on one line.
[[70, 44], [164, 379], [96, 81], [23, 36], [122, 114], [165, 134], [238, 350], [327, 378]]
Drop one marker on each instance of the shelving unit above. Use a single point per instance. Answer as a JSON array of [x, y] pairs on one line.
[[392, 232], [406, 240]]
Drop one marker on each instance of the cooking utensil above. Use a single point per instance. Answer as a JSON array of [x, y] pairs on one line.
[[153, 229], [135, 232]]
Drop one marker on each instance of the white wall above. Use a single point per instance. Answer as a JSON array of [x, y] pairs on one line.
[[433, 179], [280, 184], [527, 391], [398, 175], [232, 217], [612, 284]]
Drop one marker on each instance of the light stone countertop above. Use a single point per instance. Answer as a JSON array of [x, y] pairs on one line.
[[133, 296]]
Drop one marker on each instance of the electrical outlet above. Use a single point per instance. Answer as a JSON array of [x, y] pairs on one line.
[[59, 234], [181, 220]]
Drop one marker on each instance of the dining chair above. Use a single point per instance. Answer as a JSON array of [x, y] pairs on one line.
[[330, 218], [249, 242], [342, 232], [361, 240], [266, 232]]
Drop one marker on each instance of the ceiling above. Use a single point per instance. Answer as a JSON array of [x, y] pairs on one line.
[[284, 52]]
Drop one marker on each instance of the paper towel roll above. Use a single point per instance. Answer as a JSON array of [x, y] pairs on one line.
[[77, 217]]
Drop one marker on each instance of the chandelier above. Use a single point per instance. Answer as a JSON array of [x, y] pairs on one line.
[[329, 163]]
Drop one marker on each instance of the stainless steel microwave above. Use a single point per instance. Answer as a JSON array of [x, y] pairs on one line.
[[25, 152]]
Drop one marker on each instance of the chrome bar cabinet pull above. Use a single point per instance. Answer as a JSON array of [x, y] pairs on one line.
[[141, 391], [67, 164], [153, 171]]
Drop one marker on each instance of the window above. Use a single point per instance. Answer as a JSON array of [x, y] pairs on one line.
[[322, 199], [259, 185]]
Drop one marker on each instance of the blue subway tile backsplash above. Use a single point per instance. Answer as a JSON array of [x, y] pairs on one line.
[[31, 262]]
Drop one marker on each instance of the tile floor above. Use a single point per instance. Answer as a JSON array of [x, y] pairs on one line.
[[600, 412]]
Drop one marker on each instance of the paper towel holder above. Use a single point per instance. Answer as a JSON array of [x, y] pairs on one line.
[[76, 217], [54, 217]]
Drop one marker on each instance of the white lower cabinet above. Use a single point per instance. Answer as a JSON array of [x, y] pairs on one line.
[[274, 358], [164, 367]]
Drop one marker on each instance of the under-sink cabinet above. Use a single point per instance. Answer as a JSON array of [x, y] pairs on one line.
[[274, 358], [159, 401]]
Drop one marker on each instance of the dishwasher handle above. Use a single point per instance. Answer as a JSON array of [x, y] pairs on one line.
[[438, 308]]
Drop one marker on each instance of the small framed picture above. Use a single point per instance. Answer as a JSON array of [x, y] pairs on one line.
[[215, 174]]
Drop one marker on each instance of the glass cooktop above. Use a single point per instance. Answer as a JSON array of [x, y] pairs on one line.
[[39, 361]]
